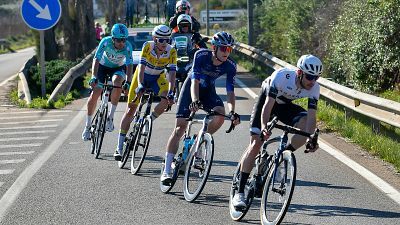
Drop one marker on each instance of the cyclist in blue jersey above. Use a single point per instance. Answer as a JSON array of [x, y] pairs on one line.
[[114, 58], [199, 89]]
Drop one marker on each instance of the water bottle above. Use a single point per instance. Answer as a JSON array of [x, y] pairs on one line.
[[187, 144]]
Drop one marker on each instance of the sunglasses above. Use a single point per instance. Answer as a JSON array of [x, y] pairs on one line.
[[310, 77], [120, 39], [162, 40], [226, 49]]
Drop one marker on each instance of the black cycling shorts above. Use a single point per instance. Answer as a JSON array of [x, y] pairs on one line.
[[288, 113]]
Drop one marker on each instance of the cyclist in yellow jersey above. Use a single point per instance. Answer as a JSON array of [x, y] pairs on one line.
[[156, 56]]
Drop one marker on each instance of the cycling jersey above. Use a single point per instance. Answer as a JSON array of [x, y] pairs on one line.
[[204, 71], [154, 75], [155, 65], [281, 86], [111, 57]]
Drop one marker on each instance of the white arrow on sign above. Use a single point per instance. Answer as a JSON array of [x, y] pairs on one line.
[[43, 13]]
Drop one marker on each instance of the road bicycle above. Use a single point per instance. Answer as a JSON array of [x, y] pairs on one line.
[[137, 141], [200, 146], [99, 120], [273, 177]]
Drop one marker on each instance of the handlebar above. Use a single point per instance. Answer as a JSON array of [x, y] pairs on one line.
[[211, 112]]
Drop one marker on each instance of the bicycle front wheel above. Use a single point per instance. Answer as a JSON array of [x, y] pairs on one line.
[[93, 131], [196, 173], [278, 194], [175, 166], [126, 149], [100, 130], [141, 144]]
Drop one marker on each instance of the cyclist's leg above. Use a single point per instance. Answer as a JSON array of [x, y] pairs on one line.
[[160, 87], [129, 113], [182, 113], [117, 79]]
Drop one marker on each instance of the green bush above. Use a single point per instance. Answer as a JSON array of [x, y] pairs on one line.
[[364, 45], [55, 71]]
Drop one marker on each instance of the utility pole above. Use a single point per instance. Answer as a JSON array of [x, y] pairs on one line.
[[208, 18], [250, 17]]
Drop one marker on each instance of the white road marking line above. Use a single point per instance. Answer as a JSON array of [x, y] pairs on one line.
[[35, 112], [368, 175], [23, 179], [28, 117], [21, 145], [10, 78], [11, 161], [28, 132], [29, 127], [3, 172], [17, 153], [1, 184], [31, 121], [24, 138]]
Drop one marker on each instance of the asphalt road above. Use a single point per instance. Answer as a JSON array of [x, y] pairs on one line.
[[62, 183], [11, 63]]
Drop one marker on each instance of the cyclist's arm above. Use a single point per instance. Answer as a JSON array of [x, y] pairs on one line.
[[194, 90], [129, 62], [311, 123], [266, 111], [172, 69], [141, 73], [143, 62], [231, 100], [95, 67], [129, 71]]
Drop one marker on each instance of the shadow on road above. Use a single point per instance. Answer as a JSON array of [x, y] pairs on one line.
[[320, 184]]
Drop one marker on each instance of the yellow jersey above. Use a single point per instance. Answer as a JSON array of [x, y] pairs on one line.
[[155, 65]]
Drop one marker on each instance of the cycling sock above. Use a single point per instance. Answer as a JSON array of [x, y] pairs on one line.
[[88, 121], [169, 157], [121, 139], [243, 181], [112, 111], [290, 147], [154, 115]]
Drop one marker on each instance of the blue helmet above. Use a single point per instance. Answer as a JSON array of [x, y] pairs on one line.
[[222, 38], [119, 30]]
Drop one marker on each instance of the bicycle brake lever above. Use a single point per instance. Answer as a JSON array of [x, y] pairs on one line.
[[232, 127]]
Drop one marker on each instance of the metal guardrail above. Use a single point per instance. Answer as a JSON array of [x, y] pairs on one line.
[[65, 84], [23, 87], [378, 109]]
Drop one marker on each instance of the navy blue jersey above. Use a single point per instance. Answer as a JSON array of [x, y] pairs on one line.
[[204, 70]]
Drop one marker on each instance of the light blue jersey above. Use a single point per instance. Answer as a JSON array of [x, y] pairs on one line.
[[111, 57]]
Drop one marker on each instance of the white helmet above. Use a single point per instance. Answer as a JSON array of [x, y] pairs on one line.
[[184, 18], [310, 64], [161, 31], [184, 4]]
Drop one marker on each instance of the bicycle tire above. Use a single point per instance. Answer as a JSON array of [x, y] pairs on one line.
[[126, 149], [137, 159], [289, 158], [208, 143], [93, 130], [237, 215], [101, 130]]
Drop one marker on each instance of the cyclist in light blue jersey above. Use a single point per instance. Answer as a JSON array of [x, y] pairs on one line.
[[113, 58]]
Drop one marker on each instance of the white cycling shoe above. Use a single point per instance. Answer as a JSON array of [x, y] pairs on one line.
[[109, 125], [239, 201], [86, 134], [166, 178]]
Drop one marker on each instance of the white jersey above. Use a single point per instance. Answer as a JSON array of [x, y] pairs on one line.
[[281, 85]]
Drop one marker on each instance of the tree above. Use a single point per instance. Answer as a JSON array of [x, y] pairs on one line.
[[77, 25]]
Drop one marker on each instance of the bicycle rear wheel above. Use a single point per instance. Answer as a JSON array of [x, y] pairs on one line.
[[126, 149], [101, 129], [196, 177], [277, 195], [141, 144]]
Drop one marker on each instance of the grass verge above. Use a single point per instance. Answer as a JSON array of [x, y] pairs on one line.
[[41, 103]]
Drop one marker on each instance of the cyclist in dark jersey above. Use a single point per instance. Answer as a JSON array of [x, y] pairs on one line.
[[199, 89]]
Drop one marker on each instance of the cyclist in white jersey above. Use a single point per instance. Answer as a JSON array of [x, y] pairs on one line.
[[113, 58], [275, 99]]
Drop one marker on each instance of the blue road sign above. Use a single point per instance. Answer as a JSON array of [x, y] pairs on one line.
[[41, 14]]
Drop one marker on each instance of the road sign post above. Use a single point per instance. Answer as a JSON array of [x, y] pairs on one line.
[[41, 15]]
